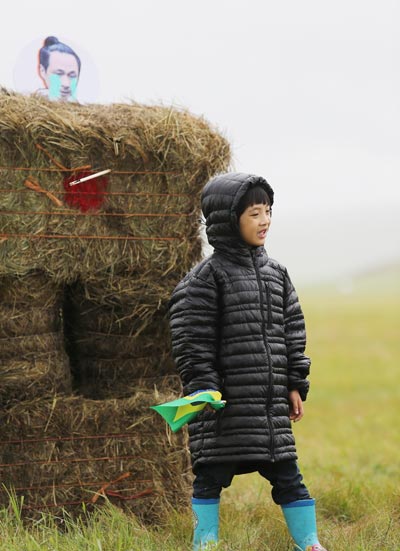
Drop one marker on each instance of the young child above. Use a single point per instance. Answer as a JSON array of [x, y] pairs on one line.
[[237, 327]]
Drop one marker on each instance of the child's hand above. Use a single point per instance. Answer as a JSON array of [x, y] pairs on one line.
[[296, 406]]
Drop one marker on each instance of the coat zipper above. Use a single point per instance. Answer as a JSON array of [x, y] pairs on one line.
[[270, 389], [219, 414], [269, 302]]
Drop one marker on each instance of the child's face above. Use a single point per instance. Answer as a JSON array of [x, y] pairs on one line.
[[254, 224]]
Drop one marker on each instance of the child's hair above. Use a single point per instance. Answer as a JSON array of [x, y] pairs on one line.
[[254, 196]]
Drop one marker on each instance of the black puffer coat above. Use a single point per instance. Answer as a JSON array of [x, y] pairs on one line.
[[237, 326]]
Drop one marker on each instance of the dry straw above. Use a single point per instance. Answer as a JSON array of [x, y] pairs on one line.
[[160, 159], [63, 452], [33, 360], [113, 353], [85, 292]]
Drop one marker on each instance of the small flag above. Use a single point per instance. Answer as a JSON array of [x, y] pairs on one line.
[[179, 412]]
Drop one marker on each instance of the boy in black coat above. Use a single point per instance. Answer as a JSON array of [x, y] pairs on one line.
[[237, 327]]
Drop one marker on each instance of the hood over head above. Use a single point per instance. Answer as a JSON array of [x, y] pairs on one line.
[[219, 200]]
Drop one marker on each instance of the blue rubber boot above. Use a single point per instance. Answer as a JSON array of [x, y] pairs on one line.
[[302, 524], [206, 515]]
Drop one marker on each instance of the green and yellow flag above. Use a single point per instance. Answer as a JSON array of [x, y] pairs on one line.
[[179, 412]]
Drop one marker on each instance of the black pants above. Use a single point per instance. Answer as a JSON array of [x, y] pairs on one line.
[[284, 476]]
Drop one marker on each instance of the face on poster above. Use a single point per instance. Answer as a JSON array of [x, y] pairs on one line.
[[57, 70]]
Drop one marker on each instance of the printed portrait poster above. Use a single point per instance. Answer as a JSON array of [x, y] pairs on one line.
[[58, 69]]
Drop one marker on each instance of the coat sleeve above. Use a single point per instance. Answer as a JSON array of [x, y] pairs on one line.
[[193, 314], [295, 334]]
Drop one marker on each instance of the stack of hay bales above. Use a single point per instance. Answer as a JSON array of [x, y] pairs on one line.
[[84, 290]]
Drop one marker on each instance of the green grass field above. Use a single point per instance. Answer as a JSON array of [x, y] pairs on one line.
[[348, 444]]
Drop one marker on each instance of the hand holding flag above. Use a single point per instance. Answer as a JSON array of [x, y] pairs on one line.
[[179, 412]]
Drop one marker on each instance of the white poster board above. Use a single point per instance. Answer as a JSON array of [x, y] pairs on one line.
[[58, 69]]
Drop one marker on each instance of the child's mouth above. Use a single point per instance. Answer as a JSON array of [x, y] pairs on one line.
[[262, 234]]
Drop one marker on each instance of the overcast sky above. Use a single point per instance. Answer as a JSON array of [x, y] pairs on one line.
[[307, 92]]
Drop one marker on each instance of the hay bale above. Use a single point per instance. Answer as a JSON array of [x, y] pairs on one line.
[[117, 344], [160, 159], [121, 304], [33, 361], [17, 321], [33, 289], [60, 453], [98, 376], [105, 379], [126, 253], [43, 375], [107, 273]]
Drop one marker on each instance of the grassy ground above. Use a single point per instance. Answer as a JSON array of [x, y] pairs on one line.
[[348, 445]]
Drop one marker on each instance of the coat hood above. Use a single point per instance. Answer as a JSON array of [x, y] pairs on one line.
[[219, 201]]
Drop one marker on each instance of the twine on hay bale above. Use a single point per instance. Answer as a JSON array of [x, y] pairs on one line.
[[62, 452], [159, 157]]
